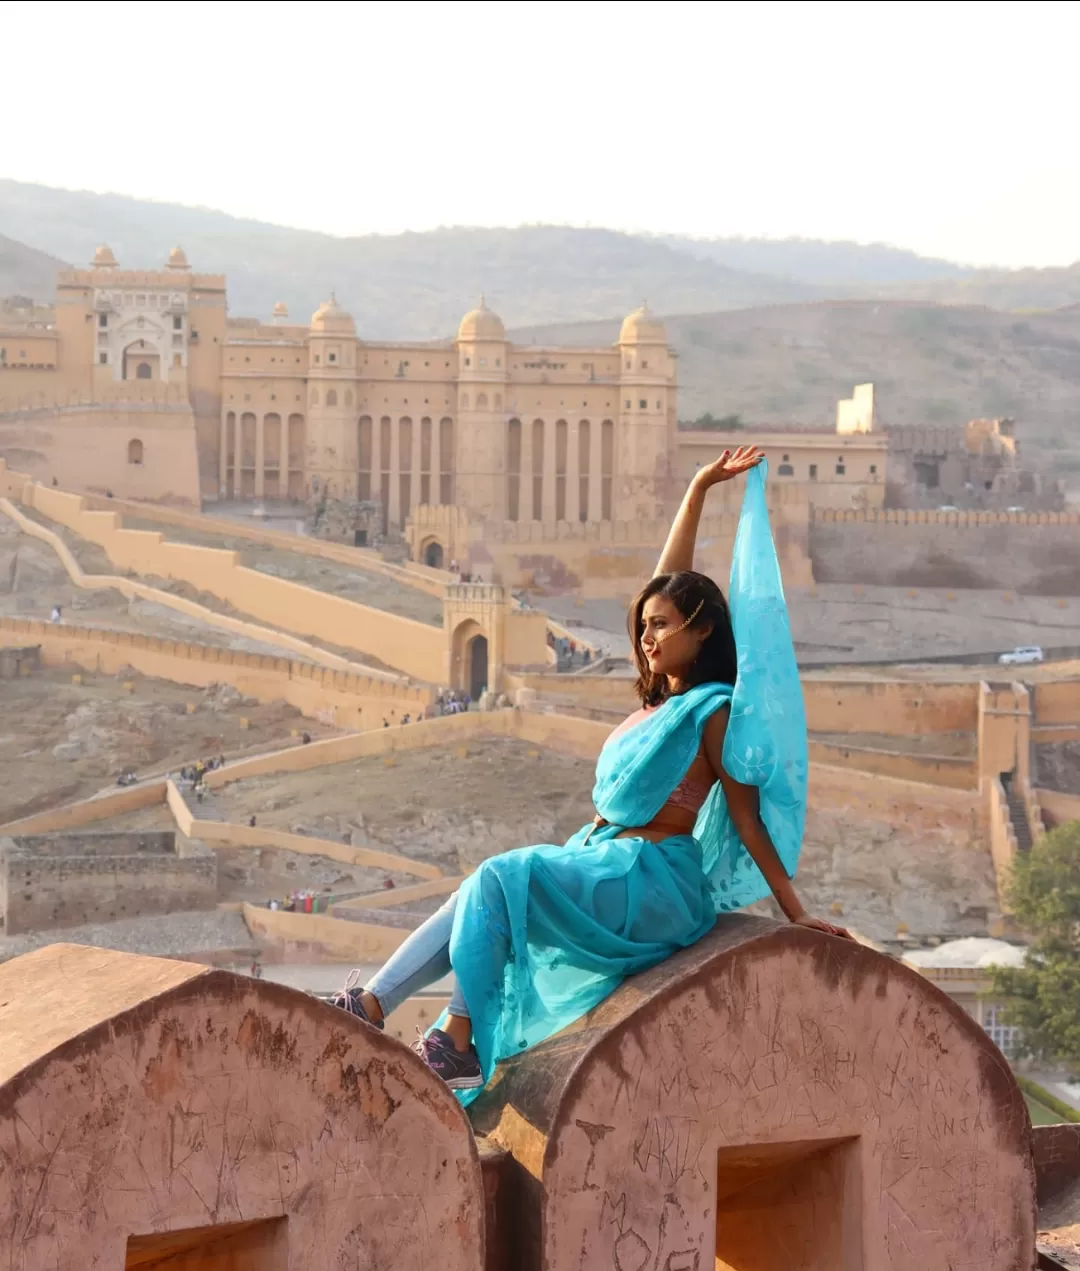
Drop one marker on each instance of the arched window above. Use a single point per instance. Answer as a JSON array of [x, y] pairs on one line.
[[481, 401], [135, 451], [142, 371], [331, 397]]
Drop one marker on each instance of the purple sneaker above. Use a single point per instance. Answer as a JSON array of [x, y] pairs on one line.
[[349, 1000], [459, 1069]]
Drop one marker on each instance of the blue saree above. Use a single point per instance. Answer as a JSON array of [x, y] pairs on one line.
[[542, 934]]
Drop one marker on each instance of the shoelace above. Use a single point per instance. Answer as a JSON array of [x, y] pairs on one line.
[[343, 999], [420, 1046]]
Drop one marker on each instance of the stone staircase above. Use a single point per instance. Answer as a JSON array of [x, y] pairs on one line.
[[1018, 817]]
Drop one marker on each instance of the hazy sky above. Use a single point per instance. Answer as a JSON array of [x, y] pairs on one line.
[[948, 128]]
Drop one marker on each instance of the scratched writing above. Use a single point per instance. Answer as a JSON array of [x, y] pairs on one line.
[[595, 1134], [669, 1146]]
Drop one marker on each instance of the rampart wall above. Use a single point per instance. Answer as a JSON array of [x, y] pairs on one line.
[[1030, 552], [897, 708], [340, 698], [416, 648], [412, 573], [133, 589], [87, 445]]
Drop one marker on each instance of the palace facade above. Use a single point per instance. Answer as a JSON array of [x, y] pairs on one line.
[[145, 387]]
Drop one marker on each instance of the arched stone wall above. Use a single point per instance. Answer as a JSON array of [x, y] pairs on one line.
[[770, 1098], [172, 1108]]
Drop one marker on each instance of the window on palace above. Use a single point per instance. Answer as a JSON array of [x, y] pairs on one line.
[[103, 358], [644, 366], [103, 319], [177, 322], [642, 404], [840, 469], [873, 469], [331, 357], [813, 472], [135, 451]]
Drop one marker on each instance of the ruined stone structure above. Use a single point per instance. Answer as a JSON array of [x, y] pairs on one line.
[[975, 467], [64, 880], [19, 661]]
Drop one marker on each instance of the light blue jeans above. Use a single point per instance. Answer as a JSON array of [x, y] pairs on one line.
[[420, 961]]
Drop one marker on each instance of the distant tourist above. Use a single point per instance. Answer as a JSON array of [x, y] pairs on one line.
[[386, 723], [305, 739], [615, 900], [55, 615], [251, 823]]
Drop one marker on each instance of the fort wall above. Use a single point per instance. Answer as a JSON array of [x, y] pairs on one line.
[[1030, 552], [413, 647], [70, 880], [340, 698], [139, 444]]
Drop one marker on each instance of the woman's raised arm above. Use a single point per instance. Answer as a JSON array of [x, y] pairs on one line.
[[678, 553]]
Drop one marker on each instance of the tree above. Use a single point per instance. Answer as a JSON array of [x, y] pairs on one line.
[[1043, 997]]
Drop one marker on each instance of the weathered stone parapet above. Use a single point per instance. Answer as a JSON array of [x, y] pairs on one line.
[[152, 1109], [770, 1098]]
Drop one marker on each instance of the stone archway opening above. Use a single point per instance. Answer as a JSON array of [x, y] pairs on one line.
[[259, 1245], [140, 361], [469, 658], [433, 555], [477, 662]]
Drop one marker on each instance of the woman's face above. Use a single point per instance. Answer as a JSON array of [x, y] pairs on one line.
[[668, 650]]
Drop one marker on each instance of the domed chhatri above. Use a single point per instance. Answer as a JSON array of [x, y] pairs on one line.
[[481, 323], [332, 319], [177, 259], [103, 258], [280, 310], [642, 327]]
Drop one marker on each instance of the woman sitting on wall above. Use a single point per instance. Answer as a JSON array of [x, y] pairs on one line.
[[700, 796]]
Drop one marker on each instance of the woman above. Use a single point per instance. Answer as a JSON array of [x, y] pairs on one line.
[[700, 799]]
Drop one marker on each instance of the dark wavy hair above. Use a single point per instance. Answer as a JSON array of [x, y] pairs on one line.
[[717, 661]]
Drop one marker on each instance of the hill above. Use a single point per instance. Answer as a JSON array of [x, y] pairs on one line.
[[1016, 289], [930, 364], [404, 285], [834, 265], [24, 271]]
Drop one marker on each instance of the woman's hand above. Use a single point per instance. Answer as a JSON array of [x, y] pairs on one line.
[[729, 466], [818, 924]]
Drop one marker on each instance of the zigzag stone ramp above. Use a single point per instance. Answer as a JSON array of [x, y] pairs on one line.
[[769, 1099], [161, 1113]]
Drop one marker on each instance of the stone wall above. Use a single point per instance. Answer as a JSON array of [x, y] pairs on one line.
[[66, 881], [1032, 553]]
